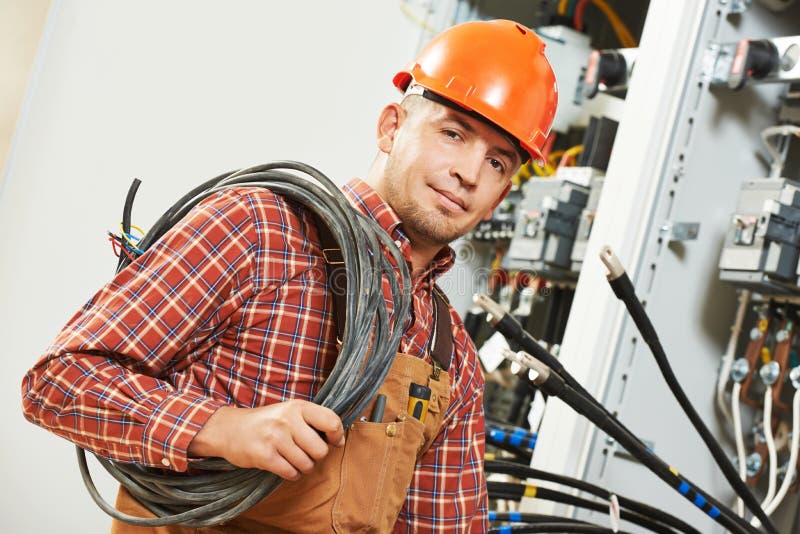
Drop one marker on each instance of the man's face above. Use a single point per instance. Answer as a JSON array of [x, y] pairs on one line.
[[445, 171]]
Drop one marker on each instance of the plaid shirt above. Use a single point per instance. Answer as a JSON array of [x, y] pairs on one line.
[[231, 307]]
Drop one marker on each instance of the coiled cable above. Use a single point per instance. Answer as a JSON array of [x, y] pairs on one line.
[[371, 335]]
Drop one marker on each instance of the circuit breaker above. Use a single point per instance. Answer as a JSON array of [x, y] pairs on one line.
[[762, 245], [546, 228]]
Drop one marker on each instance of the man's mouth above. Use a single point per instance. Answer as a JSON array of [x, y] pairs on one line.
[[450, 200]]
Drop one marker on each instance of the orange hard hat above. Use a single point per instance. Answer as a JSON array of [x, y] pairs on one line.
[[496, 69]]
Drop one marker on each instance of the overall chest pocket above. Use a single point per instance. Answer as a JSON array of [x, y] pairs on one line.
[[379, 457]]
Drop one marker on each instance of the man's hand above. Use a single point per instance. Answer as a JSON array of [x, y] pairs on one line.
[[281, 438]]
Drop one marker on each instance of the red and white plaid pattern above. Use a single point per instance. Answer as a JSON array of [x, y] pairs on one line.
[[231, 307]]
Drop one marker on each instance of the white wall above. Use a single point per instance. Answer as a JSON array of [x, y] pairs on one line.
[[173, 93], [21, 25]]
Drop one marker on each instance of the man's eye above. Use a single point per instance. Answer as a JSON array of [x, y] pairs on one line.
[[497, 165], [452, 134]]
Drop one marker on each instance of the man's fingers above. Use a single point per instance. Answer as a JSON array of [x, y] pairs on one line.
[[296, 457], [308, 439], [283, 469], [325, 420]]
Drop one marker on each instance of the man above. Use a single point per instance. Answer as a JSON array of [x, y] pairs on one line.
[[213, 342]]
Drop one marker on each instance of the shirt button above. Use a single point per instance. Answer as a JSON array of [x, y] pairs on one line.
[[398, 243], [165, 462]]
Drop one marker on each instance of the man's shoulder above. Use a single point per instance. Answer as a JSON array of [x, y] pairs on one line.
[[261, 203]]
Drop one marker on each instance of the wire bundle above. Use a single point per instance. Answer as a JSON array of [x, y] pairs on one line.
[[657, 517], [577, 8], [514, 440], [554, 380], [371, 335]]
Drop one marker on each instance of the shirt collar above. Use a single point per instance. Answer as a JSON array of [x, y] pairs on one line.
[[364, 198]]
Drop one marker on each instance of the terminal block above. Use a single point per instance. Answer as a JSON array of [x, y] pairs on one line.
[[762, 244]]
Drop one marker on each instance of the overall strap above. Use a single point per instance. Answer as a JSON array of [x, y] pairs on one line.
[[442, 337], [337, 276]]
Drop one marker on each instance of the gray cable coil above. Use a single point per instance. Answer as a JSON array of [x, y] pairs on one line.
[[371, 337]]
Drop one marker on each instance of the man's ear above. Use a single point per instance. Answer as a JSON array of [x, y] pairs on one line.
[[389, 123], [498, 201]]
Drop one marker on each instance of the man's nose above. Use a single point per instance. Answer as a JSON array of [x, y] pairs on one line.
[[467, 168]]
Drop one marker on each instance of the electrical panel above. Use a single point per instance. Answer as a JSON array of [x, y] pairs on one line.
[[731, 175]]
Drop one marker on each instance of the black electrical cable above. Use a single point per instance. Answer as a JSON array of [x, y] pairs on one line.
[[520, 455], [624, 290], [519, 517], [543, 523], [371, 336], [126, 217], [589, 408], [515, 491], [513, 331], [556, 526], [519, 471], [506, 325]]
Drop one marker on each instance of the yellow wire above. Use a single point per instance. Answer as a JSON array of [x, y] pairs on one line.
[[407, 12], [572, 152], [125, 236], [619, 27], [562, 7], [525, 172], [554, 157]]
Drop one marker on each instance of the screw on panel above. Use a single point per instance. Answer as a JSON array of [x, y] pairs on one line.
[[753, 464], [770, 372], [739, 369], [790, 57], [739, 6]]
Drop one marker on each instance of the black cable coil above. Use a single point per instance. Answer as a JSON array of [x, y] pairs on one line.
[[371, 335]]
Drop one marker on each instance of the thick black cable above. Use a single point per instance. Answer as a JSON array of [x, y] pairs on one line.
[[556, 526], [624, 290], [126, 217], [371, 336], [506, 325], [520, 455], [523, 472], [515, 491], [519, 517], [590, 408], [543, 523]]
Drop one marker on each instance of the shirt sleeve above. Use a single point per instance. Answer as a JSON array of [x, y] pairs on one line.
[[103, 383], [448, 491]]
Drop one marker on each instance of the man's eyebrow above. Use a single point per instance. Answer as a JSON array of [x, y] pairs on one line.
[[451, 116], [511, 155]]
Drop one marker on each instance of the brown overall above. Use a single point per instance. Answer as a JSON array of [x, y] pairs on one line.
[[362, 486]]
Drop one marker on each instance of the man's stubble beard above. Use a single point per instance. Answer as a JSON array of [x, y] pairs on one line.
[[430, 225]]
